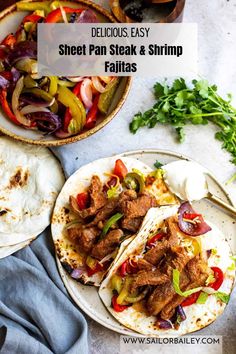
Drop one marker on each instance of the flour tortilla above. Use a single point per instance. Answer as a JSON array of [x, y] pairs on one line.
[[67, 251], [198, 315], [30, 180], [9, 250]]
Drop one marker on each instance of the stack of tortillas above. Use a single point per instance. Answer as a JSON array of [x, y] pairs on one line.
[[30, 180]]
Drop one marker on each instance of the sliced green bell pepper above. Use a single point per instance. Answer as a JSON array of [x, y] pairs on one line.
[[27, 65], [110, 222], [106, 97], [29, 82], [40, 93], [66, 83]]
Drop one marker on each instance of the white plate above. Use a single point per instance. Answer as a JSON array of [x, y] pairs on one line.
[[87, 298]]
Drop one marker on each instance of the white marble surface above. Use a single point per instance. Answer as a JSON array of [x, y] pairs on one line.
[[217, 52]]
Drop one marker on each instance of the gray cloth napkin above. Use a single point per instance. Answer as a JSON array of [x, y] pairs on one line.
[[36, 314]]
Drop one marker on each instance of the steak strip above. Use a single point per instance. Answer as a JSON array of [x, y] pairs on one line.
[[84, 237], [108, 244], [197, 272], [97, 199]]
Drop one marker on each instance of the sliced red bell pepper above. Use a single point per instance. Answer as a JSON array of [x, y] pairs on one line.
[[219, 277], [120, 169], [83, 200], [76, 89], [127, 268], [6, 108], [9, 40], [67, 117], [116, 307], [191, 216], [56, 15], [192, 299], [32, 18], [123, 268], [92, 114], [7, 75], [97, 269], [152, 242]]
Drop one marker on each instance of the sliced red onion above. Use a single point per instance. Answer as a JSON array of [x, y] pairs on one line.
[[86, 93], [108, 257], [22, 50], [62, 135], [106, 79], [164, 324], [97, 84], [190, 228], [76, 273], [87, 16], [15, 75], [180, 313], [63, 14], [32, 109], [47, 122], [4, 83], [75, 78], [34, 100], [9, 78], [15, 103]]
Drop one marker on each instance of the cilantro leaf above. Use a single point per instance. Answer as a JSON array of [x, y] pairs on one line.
[[179, 104], [180, 132], [158, 90], [158, 164]]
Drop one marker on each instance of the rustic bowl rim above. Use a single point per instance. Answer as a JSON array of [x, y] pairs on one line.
[[115, 7], [104, 122]]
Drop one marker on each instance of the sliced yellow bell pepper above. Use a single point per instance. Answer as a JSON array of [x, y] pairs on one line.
[[53, 85], [55, 4], [124, 291], [91, 262], [116, 283], [33, 6]]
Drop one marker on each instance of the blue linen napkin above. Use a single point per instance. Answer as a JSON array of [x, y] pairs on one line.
[[36, 314]]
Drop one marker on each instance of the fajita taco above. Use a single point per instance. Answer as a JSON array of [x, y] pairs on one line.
[[175, 278], [102, 205]]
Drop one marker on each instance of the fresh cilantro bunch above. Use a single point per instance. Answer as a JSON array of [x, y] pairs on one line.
[[179, 104]]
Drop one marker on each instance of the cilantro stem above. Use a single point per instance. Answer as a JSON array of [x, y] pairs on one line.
[[179, 104]]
